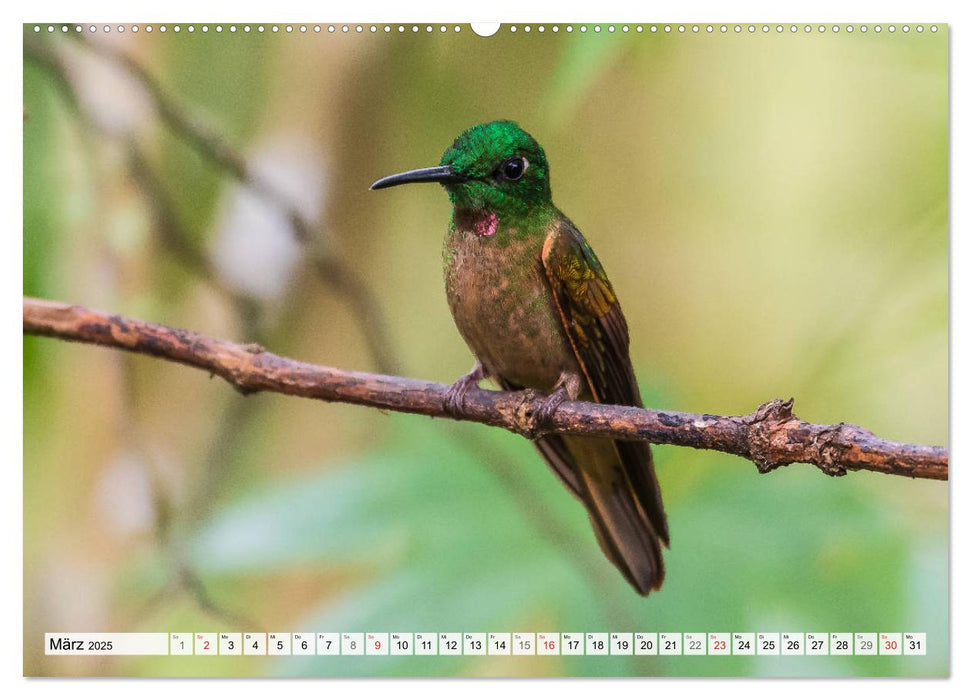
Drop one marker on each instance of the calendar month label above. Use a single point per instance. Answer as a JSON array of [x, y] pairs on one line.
[[106, 644]]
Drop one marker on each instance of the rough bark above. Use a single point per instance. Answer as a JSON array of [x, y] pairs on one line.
[[771, 436]]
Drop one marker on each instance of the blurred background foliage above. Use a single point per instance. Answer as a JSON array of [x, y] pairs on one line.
[[772, 210]]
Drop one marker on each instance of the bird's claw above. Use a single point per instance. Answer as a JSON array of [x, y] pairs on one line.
[[455, 397], [543, 418], [454, 402]]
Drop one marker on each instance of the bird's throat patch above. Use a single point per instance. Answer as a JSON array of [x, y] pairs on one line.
[[482, 223], [486, 224]]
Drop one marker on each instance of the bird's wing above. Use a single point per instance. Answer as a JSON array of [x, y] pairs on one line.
[[591, 316], [597, 331]]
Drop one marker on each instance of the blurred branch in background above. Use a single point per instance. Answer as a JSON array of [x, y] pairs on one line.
[[219, 456], [183, 576], [771, 436], [330, 269], [175, 241]]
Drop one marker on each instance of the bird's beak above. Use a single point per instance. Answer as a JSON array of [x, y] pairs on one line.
[[443, 174]]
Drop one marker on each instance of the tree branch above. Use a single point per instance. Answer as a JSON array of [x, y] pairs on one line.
[[772, 436]]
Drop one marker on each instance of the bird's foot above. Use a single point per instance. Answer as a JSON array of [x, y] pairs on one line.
[[567, 389], [455, 396], [543, 418]]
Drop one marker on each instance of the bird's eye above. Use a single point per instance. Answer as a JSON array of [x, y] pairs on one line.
[[514, 168]]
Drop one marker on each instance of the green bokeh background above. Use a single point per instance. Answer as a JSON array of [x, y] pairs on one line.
[[771, 209]]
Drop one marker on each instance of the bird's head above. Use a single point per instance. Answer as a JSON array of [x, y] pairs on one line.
[[495, 167]]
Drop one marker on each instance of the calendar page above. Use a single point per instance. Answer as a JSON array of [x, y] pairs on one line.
[[591, 349]]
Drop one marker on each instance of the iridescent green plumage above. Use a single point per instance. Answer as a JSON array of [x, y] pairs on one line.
[[473, 155], [536, 308]]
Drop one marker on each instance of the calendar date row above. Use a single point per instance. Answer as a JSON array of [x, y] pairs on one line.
[[492, 644]]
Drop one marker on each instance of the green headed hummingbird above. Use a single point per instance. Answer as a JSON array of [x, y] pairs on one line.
[[536, 308]]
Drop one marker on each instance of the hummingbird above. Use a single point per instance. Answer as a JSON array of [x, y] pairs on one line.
[[534, 305]]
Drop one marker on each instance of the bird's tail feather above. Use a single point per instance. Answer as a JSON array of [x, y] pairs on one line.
[[621, 521], [638, 463]]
